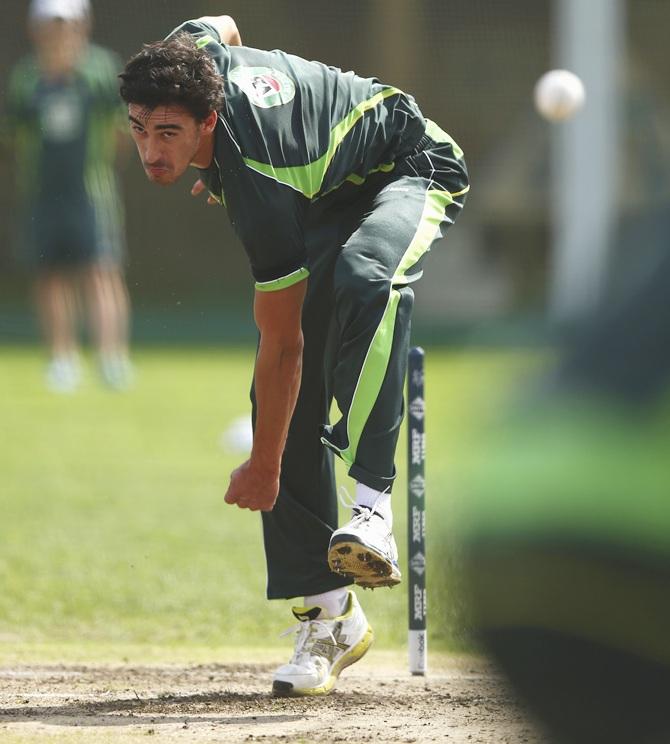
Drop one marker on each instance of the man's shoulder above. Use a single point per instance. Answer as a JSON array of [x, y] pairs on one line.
[[99, 67], [23, 78], [26, 67], [100, 60]]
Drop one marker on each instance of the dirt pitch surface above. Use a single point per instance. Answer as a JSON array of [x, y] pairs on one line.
[[377, 700]]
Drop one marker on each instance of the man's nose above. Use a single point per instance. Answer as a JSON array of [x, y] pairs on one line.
[[152, 152]]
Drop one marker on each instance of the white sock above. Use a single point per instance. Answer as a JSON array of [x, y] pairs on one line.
[[381, 501], [332, 603]]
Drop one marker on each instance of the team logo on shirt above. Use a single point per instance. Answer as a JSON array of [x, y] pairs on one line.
[[264, 86]]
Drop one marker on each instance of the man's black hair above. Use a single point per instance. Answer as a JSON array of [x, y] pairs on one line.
[[173, 72]]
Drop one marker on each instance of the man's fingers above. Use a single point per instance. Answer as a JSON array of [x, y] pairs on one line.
[[198, 187], [254, 506], [250, 505], [247, 492]]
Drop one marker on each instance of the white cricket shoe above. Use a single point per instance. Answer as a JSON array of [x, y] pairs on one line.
[[116, 371], [323, 648], [365, 550], [63, 374]]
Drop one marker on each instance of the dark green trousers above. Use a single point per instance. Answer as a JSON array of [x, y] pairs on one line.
[[366, 246]]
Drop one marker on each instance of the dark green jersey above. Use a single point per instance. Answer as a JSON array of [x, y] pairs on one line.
[[65, 130], [290, 132]]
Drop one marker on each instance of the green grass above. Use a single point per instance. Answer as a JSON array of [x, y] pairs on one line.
[[113, 529]]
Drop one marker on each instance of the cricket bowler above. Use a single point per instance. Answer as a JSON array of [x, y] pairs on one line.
[[337, 187]]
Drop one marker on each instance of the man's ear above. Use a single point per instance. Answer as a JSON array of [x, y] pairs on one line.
[[209, 124]]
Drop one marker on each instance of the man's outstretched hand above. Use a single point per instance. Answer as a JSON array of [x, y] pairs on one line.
[[252, 488], [197, 189]]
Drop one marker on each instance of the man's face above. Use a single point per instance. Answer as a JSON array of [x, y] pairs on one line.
[[58, 43], [168, 139]]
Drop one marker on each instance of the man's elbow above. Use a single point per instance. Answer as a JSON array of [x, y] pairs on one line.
[[286, 345], [228, 31], [292, 345], [226, 28]]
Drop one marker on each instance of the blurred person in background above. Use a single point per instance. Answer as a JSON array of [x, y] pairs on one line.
[[565, 530], [337, 187], [64, 116]]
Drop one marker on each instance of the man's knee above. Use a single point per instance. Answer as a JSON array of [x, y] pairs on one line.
[[360, 282]]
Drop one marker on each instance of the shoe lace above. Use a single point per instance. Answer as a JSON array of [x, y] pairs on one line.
[[307, 633], [360, 513]]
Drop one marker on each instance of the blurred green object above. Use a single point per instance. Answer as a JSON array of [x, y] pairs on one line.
[[565, 533], [113, 527]]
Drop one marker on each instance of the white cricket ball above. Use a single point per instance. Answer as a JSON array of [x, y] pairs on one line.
[[559, 94]]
